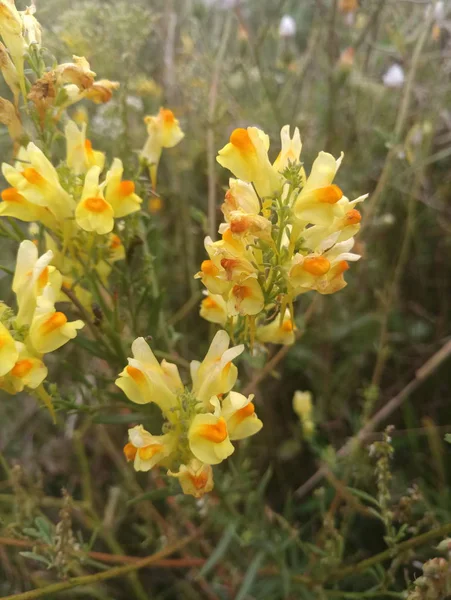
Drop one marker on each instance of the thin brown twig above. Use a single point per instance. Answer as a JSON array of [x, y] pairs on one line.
[[104, 575], [423, 373], [165, 563]]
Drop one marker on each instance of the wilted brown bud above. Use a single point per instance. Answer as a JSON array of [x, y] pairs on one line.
[[10, 118], [9, 72], [101, 91], [77, 72], [43, 93]]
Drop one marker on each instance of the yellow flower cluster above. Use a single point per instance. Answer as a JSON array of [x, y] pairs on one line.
[[37, 192], [200, 421], [37, 328], [72, 203], [284, 234]]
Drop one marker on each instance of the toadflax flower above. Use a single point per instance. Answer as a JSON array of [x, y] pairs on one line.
[[201, 421], [37, 328], [285, 233], [163, 131]]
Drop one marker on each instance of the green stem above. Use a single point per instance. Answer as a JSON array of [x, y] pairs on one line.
[[363, 565], [6, 270]]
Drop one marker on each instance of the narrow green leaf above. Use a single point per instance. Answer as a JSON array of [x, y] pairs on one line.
[[364, 496], [264, 481], [31, 532], [45, 529], [249, 578], [219, 551], [36, 557]]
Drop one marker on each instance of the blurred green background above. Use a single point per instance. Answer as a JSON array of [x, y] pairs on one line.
[[371, 79]]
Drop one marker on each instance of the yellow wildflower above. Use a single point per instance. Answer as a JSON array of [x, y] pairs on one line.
[[28, 371], [316, 203], [93, 212], [8, 351], [80, 156], [216, 374], [213, 308], [121, 193], [11, 31], [291, 149], [36, 179], [246, 156], [209, 439], [246, 298], [240, 196], [239, 414], [101, 91], [31, 276], [196, 478], [49, 329], [163, 132], [144, 380], [278, 332], [147, 450]]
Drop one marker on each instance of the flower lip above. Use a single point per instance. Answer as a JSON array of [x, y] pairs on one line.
[[244, 412], [126, 188], [209, 268], [209, 303], [130, 451], [342, 266], [12, 195], [215, 432], [147, 452], [241, 291], [53, 323], [167, 115], [43, 278], [199, 481], [96, 204], [287, 325], [330, 194], [352, 217], [115, 242], [32, 176], [240, 139], [135, 373], [22, 368], [316, 265]]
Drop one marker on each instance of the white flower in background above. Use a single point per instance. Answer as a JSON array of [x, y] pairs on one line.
[[439, 11], [394, 76], [287, 27]]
